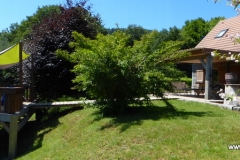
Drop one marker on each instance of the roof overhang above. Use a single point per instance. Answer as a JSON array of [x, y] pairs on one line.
[[198, 54]]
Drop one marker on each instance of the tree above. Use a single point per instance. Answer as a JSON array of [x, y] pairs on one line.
[[162, 37], [193, 32], [26, 26], [166, 35], [4, 42], [212, 23], [135, 32], [118, 75], [174, 34], [52, 74], [16, 33]]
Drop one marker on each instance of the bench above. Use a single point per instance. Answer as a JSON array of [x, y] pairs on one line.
[[180, 87]]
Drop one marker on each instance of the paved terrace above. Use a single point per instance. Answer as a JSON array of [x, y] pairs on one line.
[[200, 98], [179, 96]]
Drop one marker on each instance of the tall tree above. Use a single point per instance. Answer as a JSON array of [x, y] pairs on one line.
[[52, 74], [25, 27], [193, 32]]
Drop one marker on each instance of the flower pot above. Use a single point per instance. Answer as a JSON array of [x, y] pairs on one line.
[[231, 78]]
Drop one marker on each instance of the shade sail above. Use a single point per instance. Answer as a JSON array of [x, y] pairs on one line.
[[9, 57]]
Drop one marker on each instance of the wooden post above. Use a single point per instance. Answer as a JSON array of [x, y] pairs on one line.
[[208, 78], [20, 64], [13, 131]]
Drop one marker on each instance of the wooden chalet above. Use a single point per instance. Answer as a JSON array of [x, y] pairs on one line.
[[220, 39]]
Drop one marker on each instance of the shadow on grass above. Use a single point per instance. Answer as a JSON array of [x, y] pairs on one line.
[[136, 115], [30, 137]]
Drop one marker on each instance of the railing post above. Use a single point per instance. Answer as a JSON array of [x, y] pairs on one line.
[[13, 131]]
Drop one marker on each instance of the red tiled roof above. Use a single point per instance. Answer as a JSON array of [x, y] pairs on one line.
[[224, 42]]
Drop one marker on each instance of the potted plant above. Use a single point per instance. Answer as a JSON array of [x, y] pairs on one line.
[[230, 98]]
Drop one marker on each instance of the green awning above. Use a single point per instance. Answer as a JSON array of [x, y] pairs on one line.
[[9, 57]]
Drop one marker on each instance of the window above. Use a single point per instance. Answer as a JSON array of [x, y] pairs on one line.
[[221, 33]]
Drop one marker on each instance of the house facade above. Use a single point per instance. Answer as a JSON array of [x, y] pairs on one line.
[[221, 39]]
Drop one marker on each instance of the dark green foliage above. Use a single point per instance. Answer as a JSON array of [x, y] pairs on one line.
[[9, 77], [173, 34], [117, 75], [135, 32]]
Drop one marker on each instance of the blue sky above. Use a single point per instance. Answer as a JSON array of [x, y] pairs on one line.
[[150, 14]]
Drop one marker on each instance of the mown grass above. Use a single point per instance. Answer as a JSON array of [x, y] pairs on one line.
[[167, 130]]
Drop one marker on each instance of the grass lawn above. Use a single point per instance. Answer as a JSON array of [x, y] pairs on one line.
[[167, 130]]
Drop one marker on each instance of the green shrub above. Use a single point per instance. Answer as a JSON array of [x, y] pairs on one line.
[[117, 75], [187, 80]]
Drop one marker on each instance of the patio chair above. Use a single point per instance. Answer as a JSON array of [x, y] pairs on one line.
[[198, 88]]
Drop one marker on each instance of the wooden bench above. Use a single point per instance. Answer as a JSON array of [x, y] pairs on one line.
[[180, 87]]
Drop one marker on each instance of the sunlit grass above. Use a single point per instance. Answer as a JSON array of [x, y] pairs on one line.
[[167, 130]]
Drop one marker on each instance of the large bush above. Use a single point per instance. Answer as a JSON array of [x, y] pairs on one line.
[[118, 75]]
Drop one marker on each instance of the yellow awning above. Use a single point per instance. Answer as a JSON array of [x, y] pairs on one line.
[[9, 57]]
